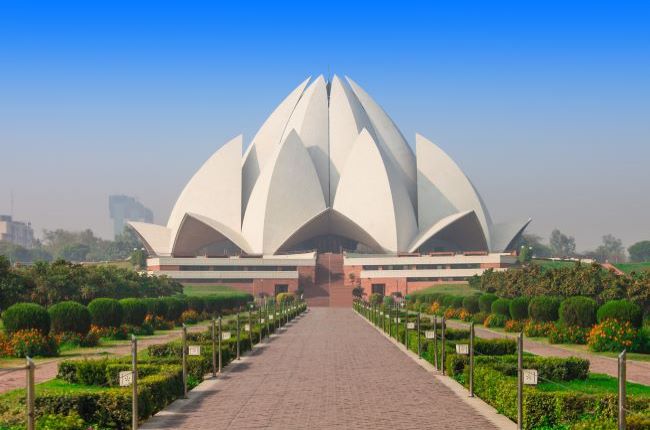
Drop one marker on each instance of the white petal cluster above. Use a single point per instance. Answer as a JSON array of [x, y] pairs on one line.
[[329, 161]]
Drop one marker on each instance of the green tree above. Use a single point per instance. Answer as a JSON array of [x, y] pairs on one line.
[[539, 249], [640, 251], [611, 250], [562, 245]]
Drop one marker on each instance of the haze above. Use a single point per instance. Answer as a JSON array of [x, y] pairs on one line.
[[546, 108]]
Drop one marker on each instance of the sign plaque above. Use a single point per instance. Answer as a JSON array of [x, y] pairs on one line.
[[126, 378], [430, 334], [530, 376], [462, 349], [410, 326], [247, 327], [226, 335], [194, 350]]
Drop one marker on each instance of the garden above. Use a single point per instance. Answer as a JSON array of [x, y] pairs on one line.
[[87, 393], [567, 395]]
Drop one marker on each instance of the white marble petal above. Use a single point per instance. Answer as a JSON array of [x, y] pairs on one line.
[[154, 237]]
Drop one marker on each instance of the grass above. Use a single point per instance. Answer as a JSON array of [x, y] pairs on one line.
[[206, 290], [452, 289], [596, 383], [554, 264], [634, 267]]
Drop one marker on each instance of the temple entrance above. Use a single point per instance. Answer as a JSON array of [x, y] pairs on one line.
[[328, 288]]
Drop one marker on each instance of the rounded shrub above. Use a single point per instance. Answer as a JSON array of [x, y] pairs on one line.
[[622, 311], [470, 304], [457, 302], [156, 307], [196, 304], [69, 317], [26, 316], [446, 300], [501, 307], [519, 308], [485, 302], [578, 311], [544, 308], [133, 311], [175, 307], [388, 300], [285, 298], [105, 312]]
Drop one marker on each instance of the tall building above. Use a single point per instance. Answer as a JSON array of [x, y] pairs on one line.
[[124, 208], [16, 232], [329, 197]]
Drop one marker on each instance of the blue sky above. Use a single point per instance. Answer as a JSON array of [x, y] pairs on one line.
[[546, 106]]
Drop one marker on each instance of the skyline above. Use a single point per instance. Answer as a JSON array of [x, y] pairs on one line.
[[547, 113]]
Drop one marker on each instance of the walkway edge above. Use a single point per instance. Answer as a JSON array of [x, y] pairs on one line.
[[487, 411]]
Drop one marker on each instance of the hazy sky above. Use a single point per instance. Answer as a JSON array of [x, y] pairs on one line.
[[546, 107]]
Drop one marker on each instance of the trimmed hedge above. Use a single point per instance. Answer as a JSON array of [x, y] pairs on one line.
[[69, 317], [485, 302], [26, 316], [156, 307], [175, 308], [621, 310], [578, 311], [106, 312], [544, 308], [133, 311], [501, 307], [519, 308], [470, 304]]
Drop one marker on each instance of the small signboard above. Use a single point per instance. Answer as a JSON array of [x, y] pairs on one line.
[[410, 326], [262, 321], [381, 313], [126, 378], [430, 334], [270, 317], [226, 335], [194, 350], [462, 349], [387, 316], [247, 327], [530, 376]]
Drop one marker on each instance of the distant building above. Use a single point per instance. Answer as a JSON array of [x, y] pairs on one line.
[[124, 208], [16, 232]]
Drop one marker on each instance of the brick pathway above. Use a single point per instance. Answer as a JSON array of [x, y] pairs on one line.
[[329, 369], [46, 370], [637, 371]]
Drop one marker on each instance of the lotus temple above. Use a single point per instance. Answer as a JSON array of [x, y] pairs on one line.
[[329, 196]]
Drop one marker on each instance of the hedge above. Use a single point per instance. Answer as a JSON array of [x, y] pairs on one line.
[[621, 310], [26, 316], [544, 308], [175, 307], [519, 308], [134, 311], [578, 311], [470, 304], [69, 317], [485, 302], [106, 312], [501, 307]]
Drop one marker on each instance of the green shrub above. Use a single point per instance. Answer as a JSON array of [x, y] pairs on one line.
[[495, 320], [446, 300], [479, 317], [621, 310], [470, 304], [544, 308], [457, 302], [285, 298], [105, 312], [537, 329], [388, 301], [578, 311], [561, 333], [519, 308], [196, 304], [156, 307], [495, 346], [69, 317], [71, 421], [175, 307], [26, 316], [376, 298], [501, 307], [485, 302], [613, 335], [133, 311]]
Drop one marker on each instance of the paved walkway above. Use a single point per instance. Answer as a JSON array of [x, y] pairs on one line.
[[48, 369], [637, 371], [330, 369]]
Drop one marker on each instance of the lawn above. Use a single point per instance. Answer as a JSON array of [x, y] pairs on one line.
[[596, 383], [553, 264], [452, 289], [206, 290], [633, 267]]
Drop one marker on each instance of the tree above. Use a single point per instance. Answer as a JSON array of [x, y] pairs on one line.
[[539, 249], [640, 251], [611, 250], [561, 244], [525, 254]]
